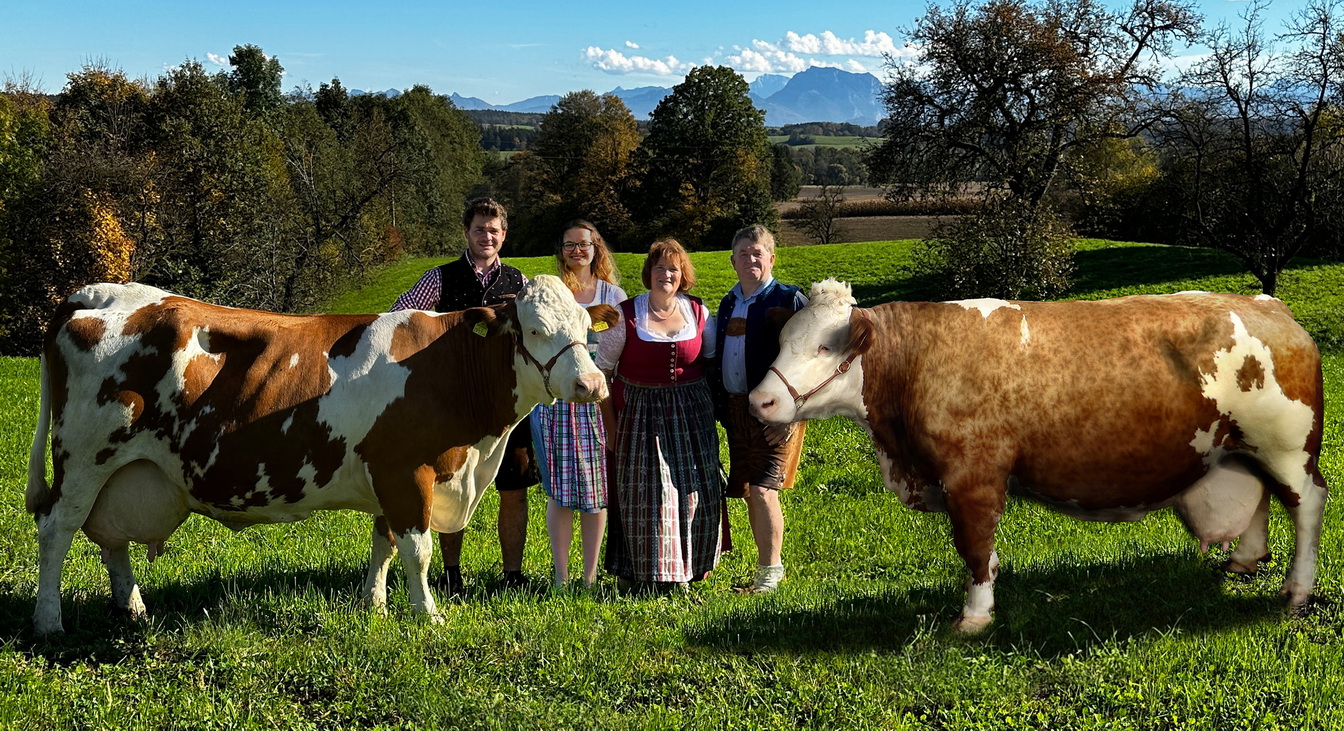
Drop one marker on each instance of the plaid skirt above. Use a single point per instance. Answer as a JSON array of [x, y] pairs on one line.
[[667, 501], [571, 453]]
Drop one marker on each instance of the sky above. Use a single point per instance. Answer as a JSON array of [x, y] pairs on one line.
[[500, 52]]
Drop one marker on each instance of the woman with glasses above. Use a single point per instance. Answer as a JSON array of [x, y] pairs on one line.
[[569, 439]]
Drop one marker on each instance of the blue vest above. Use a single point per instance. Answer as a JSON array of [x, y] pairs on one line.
[[760, 351]]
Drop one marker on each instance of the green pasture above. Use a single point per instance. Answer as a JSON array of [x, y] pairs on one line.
[[1116, 626]]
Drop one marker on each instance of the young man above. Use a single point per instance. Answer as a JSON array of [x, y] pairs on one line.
[[763, 458], [479, 279]]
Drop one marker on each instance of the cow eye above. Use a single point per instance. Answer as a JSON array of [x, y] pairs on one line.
[[534, 332], [823, 349]]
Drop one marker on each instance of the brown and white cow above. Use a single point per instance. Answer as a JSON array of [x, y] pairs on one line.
[[160, 406], [1105, 410]]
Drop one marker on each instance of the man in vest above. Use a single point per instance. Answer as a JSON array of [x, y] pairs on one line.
[[763, 458], [479, 279]]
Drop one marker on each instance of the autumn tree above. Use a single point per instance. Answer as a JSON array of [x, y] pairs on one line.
[[1000, 93], [1254, 145], [705, 164], [579, 167]]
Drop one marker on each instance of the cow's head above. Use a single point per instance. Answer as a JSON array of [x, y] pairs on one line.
[[819, 370], [552, 331]]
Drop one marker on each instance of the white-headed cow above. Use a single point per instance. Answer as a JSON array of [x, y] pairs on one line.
[[1105, 410], [160, 406]]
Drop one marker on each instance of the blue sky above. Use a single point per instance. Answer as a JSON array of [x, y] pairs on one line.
[[500, 52]]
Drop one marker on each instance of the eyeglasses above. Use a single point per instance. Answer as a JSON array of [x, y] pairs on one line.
[[581, 247]]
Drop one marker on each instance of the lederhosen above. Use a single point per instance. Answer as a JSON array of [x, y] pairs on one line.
[[460, 290], [751, 460]]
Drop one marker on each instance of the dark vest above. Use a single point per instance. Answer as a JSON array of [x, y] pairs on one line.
[[760, 351], [461, 290]]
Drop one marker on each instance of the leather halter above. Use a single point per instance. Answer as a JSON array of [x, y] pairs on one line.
[[545, 370], [843, 368], [799, 400]]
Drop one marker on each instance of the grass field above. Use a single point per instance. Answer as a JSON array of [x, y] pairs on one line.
[[1098, 625]]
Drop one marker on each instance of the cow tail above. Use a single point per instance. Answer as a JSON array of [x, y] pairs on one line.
[[38, 495]]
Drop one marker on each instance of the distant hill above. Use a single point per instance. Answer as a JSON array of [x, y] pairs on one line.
[[815, 95]]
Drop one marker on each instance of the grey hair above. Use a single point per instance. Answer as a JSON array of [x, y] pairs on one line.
[[757, 234]]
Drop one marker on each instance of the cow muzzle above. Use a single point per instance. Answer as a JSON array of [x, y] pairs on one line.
[[767, 406], [590, 387]]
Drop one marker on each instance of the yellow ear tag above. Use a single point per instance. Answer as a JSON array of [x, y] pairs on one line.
[[599, 326], [480, 329]]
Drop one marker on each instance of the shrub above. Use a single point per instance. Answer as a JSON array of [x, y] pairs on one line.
[[1010, 249]]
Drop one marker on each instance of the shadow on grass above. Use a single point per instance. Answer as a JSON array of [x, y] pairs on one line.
[[96, 632], [1053, 611], [1140, 266]]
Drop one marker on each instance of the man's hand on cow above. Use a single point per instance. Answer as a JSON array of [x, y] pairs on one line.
[[777, 434]]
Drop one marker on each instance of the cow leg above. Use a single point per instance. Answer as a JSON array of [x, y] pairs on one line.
[[125, 590], [53, 543], [975, 513], [380, 558], [1253, 543], [1307, 516], [417, 550]]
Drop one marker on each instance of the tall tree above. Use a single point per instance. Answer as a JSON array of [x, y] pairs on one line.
[[257, 77], [1255, 142], [705, 165], [584, 145], [1001, 92], [786, 176]]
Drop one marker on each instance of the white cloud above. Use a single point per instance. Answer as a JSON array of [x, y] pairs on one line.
[[615, 62], [217, 59], [874, 44], [766, 58], [632, 44]]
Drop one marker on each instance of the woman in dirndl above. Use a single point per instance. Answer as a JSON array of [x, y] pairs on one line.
[[666, 495], [570, 439]]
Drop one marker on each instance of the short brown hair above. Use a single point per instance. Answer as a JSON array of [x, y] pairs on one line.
[[675, 255], [756, 234], [488, 207]]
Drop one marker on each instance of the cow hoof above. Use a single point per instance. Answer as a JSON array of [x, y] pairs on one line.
[[971, 625], [1241, 569], [1297, 600], [44, 629]]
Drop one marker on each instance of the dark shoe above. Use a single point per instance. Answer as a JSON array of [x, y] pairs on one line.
[[450, 583], [514, 580]]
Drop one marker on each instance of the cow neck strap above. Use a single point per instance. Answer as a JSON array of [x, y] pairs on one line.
[[545, 370], [800, 399], [840, 370]]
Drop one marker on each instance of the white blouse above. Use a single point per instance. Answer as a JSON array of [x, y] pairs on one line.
[[613, 340]]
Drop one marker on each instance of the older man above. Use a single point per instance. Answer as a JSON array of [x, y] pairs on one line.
[[479, 279], [763, 458]]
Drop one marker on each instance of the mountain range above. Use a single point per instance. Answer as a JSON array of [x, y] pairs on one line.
[[815, 95]]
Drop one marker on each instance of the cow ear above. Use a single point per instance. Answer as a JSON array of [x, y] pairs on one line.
[[488, 320], [603, 316], [861, 332], [775, 320]]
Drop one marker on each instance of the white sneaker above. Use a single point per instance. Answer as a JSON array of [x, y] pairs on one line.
[[767, 578]]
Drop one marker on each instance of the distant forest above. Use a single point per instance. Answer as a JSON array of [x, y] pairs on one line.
[[830, 165]]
